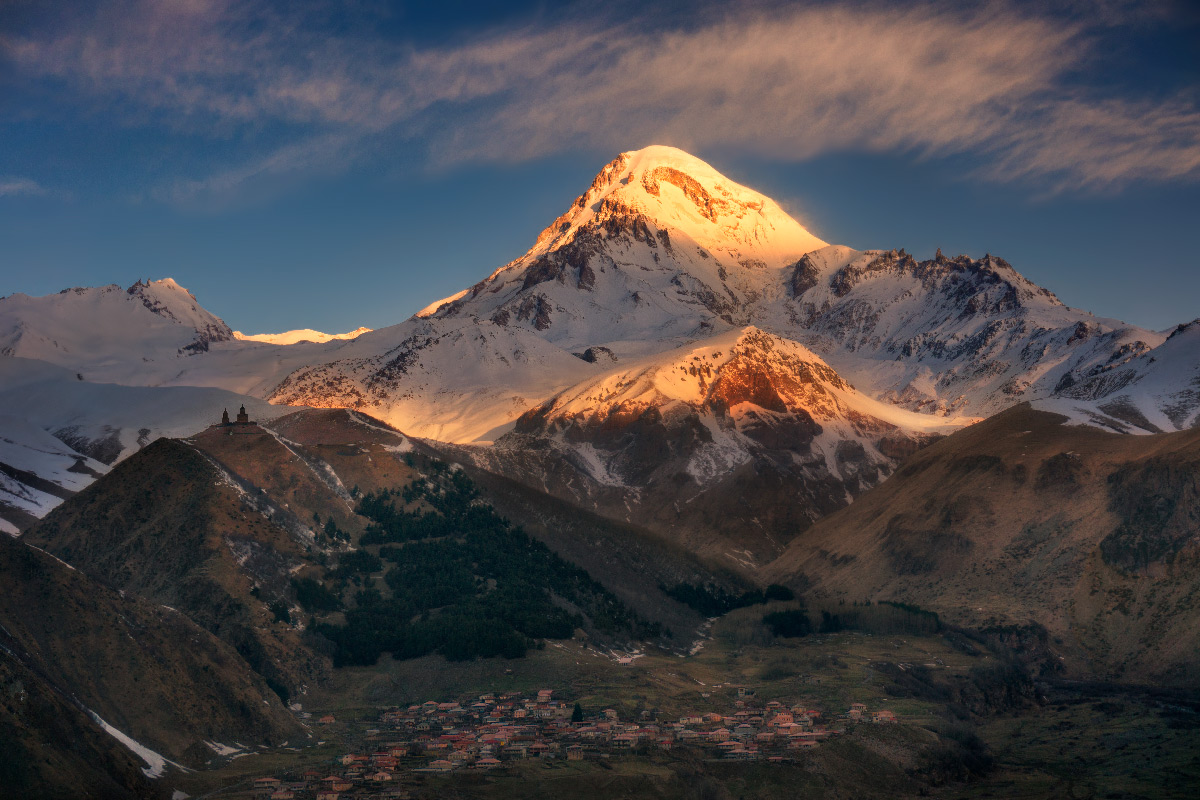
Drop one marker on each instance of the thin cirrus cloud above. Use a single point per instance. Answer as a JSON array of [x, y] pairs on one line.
[[994, 85], [12, 186]]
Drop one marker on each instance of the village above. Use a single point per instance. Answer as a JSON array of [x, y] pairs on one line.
[[491, 732]]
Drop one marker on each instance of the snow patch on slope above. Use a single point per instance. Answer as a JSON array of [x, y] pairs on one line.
[[156, 764], [31, 449], [25, 498]]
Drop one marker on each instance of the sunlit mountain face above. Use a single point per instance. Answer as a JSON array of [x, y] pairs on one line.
[[778, 462]]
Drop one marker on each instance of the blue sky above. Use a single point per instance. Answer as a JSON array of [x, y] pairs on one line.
[[331, 165]]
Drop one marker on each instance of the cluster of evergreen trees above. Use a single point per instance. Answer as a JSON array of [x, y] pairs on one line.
[[330, 532], [314, 597], [883, 617], [714, 601], [464, 582], [451, 496]]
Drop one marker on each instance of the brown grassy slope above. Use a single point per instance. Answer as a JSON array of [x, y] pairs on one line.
[[363, 451], [166, 525], [319, 457], [742, 519], [1021, 518], [50, 749], [145, 669]]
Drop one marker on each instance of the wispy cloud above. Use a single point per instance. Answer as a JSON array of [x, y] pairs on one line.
[[327, 153], [11, 186], [793, 84]]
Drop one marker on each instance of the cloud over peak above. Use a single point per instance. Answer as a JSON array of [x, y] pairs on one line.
[[998, 85]]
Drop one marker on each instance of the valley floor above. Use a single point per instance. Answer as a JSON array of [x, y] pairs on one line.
[[961, 732]]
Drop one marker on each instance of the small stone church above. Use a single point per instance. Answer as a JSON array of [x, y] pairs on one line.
[[242, 417]]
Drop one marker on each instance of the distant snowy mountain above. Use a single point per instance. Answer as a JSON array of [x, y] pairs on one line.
[[660, 247], [661, 251], [297, 336], [1153, 391], [948, 335], [109, 333], [37, 472]]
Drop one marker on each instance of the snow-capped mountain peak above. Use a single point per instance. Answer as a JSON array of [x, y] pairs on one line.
[[679, 193], [661, 246], [171, 301], [109, 333]]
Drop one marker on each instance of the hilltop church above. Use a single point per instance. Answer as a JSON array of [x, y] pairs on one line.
[[242, 417]]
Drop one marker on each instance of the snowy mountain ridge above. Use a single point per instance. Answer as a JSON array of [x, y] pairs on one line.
[[748, 390], [944, 335], [660, 249], [297, 336], [660, 252], [116, 331], [1150, 391]]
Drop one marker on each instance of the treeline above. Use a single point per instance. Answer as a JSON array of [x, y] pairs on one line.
[[453, 499], [464, 582], [714, 601]]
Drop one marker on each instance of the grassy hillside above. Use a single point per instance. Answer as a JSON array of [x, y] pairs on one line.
[[327, 540], [145, 669], [53, 750], [169, 526], [1022, 521]]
